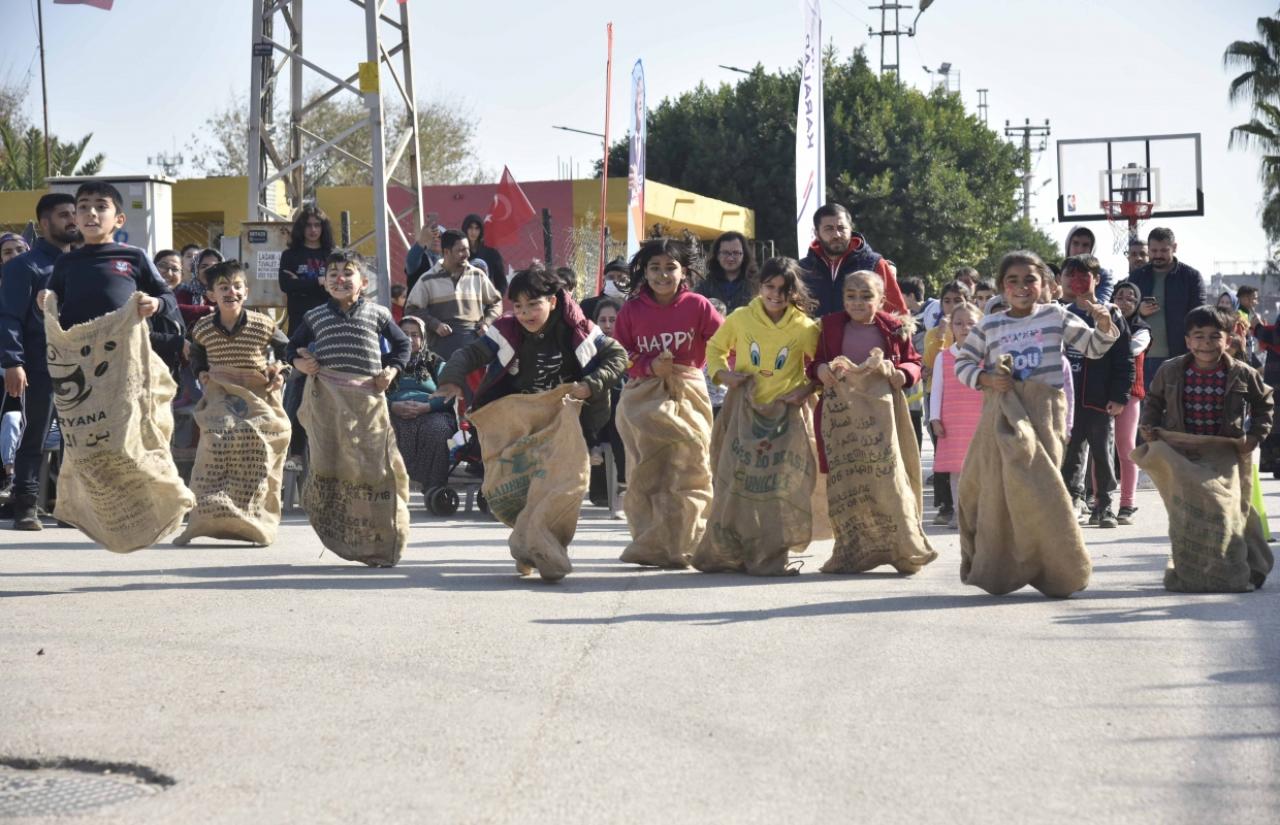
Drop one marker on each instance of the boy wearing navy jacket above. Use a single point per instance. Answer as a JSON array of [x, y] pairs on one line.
[[101, 276]]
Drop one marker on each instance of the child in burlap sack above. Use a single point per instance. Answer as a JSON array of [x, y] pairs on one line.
[[765, 474], [543, 344], [357, 489], [664, 414], [1199, 403], [865, 359], [239, 357], [1018, 357]]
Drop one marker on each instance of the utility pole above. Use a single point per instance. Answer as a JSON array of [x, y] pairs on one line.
[[170, 164], [44, 91], [1027, 131], [896, 33], [982, 105]]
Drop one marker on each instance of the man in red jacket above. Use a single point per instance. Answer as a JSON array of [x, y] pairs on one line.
[[836, 251]]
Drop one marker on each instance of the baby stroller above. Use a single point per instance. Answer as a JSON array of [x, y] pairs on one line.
[[464, 449]]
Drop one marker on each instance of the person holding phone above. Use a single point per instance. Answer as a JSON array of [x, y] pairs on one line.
[[1170, 290]]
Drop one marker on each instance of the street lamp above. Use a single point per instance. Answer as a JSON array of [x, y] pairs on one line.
[[733, 69], [579, 131], [924, 4]]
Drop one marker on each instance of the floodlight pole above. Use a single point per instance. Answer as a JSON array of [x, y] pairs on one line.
[[388, 56]]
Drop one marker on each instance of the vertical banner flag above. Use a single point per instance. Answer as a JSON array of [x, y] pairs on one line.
[[635, 168], [811, 152]]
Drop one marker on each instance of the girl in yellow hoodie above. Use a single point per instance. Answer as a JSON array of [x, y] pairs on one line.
[[770, 339]]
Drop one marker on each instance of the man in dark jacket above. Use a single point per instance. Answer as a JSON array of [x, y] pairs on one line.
[[1102, 388], [22, 345], [836, 251], [1170, 290], [473, 228]]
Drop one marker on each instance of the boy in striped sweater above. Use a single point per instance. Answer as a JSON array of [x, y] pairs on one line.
[[345, 333], [234, 337], [1031, 332]]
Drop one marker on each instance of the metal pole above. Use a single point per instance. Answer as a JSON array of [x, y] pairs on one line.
[[373, 99], [604, 170], [547, 236], [295, 103], [255, 116], [411, 112], [44, 91]]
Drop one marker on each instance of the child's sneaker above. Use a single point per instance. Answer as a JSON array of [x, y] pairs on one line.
[[1095, 516], [597, 456], [1082, 511], [1106, 518], [1125, 516], [954, 524], [944, 516]]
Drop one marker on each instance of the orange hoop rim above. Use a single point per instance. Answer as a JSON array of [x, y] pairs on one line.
[[1131, 211]]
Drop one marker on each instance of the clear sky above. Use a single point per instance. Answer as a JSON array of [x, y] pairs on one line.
[[1092, 67]]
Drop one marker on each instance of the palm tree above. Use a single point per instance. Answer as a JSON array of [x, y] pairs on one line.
[[22, 158], [1260, 59], [1263, 133]]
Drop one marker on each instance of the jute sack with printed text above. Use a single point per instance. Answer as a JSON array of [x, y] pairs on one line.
[[111, 393], [1017, 525], [244, 436], [765, 471], [536, 472], [665, 426], [357, 491], [1217, 538], [874, 488]]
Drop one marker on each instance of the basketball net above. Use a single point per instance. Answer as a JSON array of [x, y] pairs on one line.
[[1125, 217]]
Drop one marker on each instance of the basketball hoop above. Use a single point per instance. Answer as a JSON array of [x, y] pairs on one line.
[[1125, 217]]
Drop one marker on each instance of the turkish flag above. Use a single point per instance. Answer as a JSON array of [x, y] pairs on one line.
[[105, 5], [510, 211]]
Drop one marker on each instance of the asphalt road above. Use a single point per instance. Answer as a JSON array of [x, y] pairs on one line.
[[282, 684]]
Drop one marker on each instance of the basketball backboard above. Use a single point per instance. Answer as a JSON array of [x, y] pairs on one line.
[[1163, 170]]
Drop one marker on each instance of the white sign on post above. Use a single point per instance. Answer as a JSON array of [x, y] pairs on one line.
[[267, 265]]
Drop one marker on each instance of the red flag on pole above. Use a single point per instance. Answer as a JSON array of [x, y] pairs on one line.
[[510, 211], [105, 5]]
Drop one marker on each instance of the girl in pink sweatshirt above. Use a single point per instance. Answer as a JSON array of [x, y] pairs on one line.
[[664, 414]]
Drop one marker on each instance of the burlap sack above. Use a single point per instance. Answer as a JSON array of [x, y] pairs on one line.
[[1017, 525], [1218, 544], [874, 488], [357, 491], [244, 436], [111, 393], [818, 505], [765, 471], [536, 471], [665, 426]]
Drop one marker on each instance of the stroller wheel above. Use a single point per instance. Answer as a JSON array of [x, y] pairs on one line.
[[482, 503], [442, 501]]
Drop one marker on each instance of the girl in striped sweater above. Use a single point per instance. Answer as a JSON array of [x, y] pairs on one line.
[[1031, 332], [954, 409]]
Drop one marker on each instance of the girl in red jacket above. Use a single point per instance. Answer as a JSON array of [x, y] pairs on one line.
[[862, 327], [664, 414]]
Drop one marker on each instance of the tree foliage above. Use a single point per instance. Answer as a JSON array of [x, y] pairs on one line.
[[22, 149], [930, 186], [446, 143], [1018, 233], [1259, 83]]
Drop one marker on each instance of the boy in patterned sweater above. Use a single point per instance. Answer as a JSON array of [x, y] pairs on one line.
[[345, 333], [234, 337], [1205, 391]]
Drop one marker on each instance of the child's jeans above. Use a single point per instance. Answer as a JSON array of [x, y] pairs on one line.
[[1091, 432], [1126, 440]]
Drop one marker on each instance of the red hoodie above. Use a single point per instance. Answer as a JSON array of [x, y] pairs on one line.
[[645, 329]]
